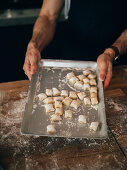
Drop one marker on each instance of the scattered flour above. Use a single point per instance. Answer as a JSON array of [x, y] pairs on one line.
[[94, 107], [11, 114], [27, 145], [115, 105]]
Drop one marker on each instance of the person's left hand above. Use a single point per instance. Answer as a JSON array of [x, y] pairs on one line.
[[104, 62]]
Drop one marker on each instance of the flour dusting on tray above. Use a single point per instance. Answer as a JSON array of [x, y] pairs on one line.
[[53, 75]]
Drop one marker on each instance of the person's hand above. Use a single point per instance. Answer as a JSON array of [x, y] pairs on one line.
[[104, 62], [31, 60]]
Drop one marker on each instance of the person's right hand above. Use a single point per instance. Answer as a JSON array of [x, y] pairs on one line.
[[31, 60]]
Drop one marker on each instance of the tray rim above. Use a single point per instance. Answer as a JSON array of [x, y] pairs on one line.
[[22, 131]]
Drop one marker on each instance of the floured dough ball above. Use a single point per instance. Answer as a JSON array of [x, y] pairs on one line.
[[81, 95], [64, 93], [58, 98], [91, 76], [49, 92], [81, 77], [42, 96], [73, 80], [94, 126], [58, 104], [75, 103], [93, 82], [73, 95], [49, 108], [67, 101], [82, 119], [87, 72], [70, 75], [55, 118], [93, 89], [51, 129], [59, 111], [87, 101], [93, 95], [86, 81], [94, 101], [86, 87], [78, 85], [48, 100], [68, 113], [56, 92]]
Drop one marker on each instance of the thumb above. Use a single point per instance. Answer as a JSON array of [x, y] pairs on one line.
[[33, 63], [103, 71]]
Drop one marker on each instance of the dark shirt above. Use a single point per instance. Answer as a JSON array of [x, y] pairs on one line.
[[93, 25]]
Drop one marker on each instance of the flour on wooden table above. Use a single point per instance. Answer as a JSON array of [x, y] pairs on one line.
[[26, 145], [114, 104]]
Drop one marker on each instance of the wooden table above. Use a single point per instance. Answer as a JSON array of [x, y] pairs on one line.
[[19, 152]]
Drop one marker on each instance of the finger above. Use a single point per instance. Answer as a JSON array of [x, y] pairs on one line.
[[33, 62], [103, 70], [33, 68], [26, 67], [28, 75], [108, 76]]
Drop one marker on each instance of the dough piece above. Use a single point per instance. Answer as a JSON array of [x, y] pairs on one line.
[[82, 119], [70, 75], [49, 108], [81, 77], [67, 101], [87, 72], [94, 101], [51, 129], [93, 95], [56, 92], [58, 98], [49, 92], [78, 85], [93, 82], [75, 103], [93, 89], [87, 101], [55, 118], [58, 104], [42, 96], [64, 93], [86, 87], [73, 80], [94, 126], [91, 76], [59, 111], [73, 95], [68, 113], [48, 100], [86, 81], [81, 95]]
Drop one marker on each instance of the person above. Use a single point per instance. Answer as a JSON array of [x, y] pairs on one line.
[[100, 27]]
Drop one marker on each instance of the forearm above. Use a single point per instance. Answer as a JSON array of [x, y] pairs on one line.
[[43, 32], [121, 43]]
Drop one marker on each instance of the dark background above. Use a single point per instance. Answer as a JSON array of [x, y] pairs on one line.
[[14, 40], [13, 44]]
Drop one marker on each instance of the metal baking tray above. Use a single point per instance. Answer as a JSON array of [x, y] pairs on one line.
[[52, 73]]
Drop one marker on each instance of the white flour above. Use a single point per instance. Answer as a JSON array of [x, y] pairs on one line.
[[116, 106], [11, 137], [11, 121]]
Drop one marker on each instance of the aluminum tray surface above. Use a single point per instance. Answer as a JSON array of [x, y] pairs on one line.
[[52, 73]]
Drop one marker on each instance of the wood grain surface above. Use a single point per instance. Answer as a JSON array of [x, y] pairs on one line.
[[23, 152]]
